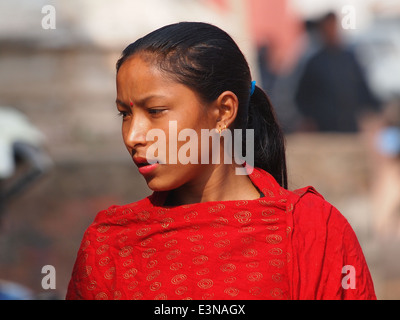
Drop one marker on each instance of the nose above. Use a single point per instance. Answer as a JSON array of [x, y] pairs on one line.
[[135, 133]]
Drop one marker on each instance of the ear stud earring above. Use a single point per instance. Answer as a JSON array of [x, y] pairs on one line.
[[220, 129]]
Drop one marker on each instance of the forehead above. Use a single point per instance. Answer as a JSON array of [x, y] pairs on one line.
[[136, 68], [137, 76]]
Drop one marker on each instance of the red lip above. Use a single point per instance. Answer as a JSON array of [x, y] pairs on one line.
[[148, 168], [144, 166]]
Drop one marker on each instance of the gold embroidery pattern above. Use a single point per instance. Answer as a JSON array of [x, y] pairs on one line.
[[231, 291], [181, 290], [205, 283], [178, 279], [225, 251]]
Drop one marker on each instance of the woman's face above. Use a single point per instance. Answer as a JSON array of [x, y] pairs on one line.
[[147, 99]]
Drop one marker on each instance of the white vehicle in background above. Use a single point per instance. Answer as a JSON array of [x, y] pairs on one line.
[[22, 156]]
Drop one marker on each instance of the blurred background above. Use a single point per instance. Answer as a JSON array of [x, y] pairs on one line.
[[331, 68]]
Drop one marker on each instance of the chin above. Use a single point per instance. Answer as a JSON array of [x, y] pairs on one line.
[[167, 178], [160, 184]]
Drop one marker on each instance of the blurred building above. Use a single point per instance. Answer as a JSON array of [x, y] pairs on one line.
[[63, 80]]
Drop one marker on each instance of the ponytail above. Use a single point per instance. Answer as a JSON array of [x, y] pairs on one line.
[[269, 141]]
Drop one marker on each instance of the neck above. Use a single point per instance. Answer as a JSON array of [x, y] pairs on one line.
[[219, 183]]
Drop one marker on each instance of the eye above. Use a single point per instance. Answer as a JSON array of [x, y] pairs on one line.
[[156, 111], [123, 114]]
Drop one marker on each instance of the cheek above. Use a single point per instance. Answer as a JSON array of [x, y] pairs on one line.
[[125, 132], [189, 125]]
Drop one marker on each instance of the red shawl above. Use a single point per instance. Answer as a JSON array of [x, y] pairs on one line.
[[285, 245]]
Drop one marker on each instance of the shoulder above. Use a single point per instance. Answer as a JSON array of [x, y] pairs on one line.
[[113, 219], [322, 244], [312, 211], [97, 243], [317, 59], [113, 213], [321, 228]]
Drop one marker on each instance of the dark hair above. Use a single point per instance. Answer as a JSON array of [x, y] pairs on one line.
[[207, 60]]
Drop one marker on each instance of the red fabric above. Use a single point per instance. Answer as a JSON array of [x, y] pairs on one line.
[[285, 245]]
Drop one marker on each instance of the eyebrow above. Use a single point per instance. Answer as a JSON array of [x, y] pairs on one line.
[[140, 102], [121, 103]]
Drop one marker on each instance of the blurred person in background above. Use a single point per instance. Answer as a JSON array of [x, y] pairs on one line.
[[332, 93], [207, 232]]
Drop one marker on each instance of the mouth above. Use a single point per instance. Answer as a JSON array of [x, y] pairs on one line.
[[145, 166], [142, 164]]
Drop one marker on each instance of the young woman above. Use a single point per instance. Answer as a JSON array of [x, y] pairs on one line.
[[209, 231]]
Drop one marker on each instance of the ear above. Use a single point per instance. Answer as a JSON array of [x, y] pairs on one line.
[[226, 107]]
